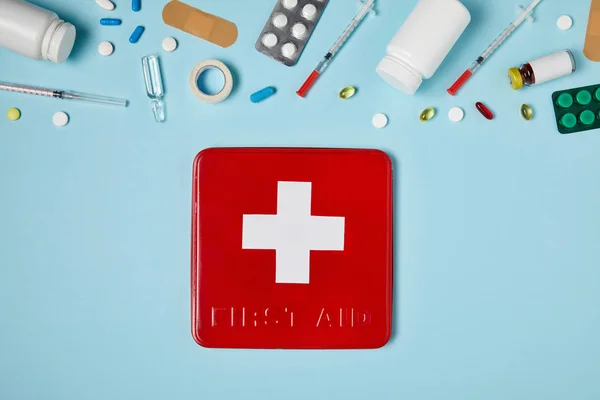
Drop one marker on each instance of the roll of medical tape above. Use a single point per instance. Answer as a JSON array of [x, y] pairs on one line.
[[227, 87]]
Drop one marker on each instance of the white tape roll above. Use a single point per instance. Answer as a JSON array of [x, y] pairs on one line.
[[227, 87]]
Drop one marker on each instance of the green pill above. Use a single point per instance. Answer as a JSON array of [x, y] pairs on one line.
[[565, 100], [568, 120], [584, 97], [597, 94], [587, 117]]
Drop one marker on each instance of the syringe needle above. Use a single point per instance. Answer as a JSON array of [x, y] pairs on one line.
[[491, 48], [310, 81]]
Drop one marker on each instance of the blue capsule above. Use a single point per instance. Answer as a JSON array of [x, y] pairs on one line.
[[136, 34], [136, 5], [110, 21], [262, 94]]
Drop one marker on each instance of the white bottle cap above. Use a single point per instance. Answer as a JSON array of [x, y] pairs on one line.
[[61, 38], [399, 75]]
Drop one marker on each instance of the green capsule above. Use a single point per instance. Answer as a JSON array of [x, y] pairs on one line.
[[347, 92], [427, 114], [526, 112], [587, 117], [583, 97], [569, 120], [565, 100]]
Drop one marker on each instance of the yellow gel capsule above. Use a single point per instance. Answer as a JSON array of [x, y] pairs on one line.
[[526, 112], [13, 114], [427, 114], [347, 92]]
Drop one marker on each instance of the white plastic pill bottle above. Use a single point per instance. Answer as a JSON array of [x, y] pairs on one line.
[[422, 43], [34, 32]]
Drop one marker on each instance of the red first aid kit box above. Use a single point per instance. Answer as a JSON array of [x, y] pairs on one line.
[[292, 248]]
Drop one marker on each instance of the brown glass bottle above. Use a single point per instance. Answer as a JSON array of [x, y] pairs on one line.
[[543, 69]]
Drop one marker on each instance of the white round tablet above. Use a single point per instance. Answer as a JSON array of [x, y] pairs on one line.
[[288, 50], [280, 21], [169, 44], [380, 120], [299, 30], [106, 48], [564, 22], [456, 114], [60, 118], [269, 40], [309, 11], [289, 4], [106, 4]]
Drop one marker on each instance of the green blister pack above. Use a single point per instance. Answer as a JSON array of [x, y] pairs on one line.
[[577, 109]]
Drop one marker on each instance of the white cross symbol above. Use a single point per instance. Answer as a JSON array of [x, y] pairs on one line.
[[293, 232]]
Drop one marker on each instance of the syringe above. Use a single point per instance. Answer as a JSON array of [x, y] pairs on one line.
[[492, 47], [62, 94], [366, 8]]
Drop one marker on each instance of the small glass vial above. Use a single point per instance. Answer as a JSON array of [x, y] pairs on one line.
[[154, 86], [544, 69]]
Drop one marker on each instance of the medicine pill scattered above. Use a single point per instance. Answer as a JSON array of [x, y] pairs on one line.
[[309, 11], [136, 5], [526, 112], [269, 40], [289, 4], [299, 30], [60, 118], [169, 44], [280, 21], [136, 34], [106, 48], [106, 4], [288, 50], [427, 114], [456, 114], [347, 92], [380, 121], [587, 117], [110, 21], [583, 97], [262, 94], [564, 22], [13, 114], [483, 110]]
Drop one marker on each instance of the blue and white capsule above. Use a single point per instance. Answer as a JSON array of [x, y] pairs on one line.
[[262, 94], [136, 5], [110, 21], [136, 34]]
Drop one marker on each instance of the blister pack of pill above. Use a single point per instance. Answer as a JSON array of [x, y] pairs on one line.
[[288, 29]]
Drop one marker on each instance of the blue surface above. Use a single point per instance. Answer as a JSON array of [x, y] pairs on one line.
[[497, 274]]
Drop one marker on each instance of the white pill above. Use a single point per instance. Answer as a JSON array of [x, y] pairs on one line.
[[380, 121], [289, 4], [169, 44], [299, 30], [106, 4], [564, 22], [456, 114], [269, 40], [288, 50], [60, 118], [309, 11], [106, 48], [280, 20]]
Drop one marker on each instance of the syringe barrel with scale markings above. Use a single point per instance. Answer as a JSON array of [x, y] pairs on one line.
[[365, 9], [491, 48], [62, 94]]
